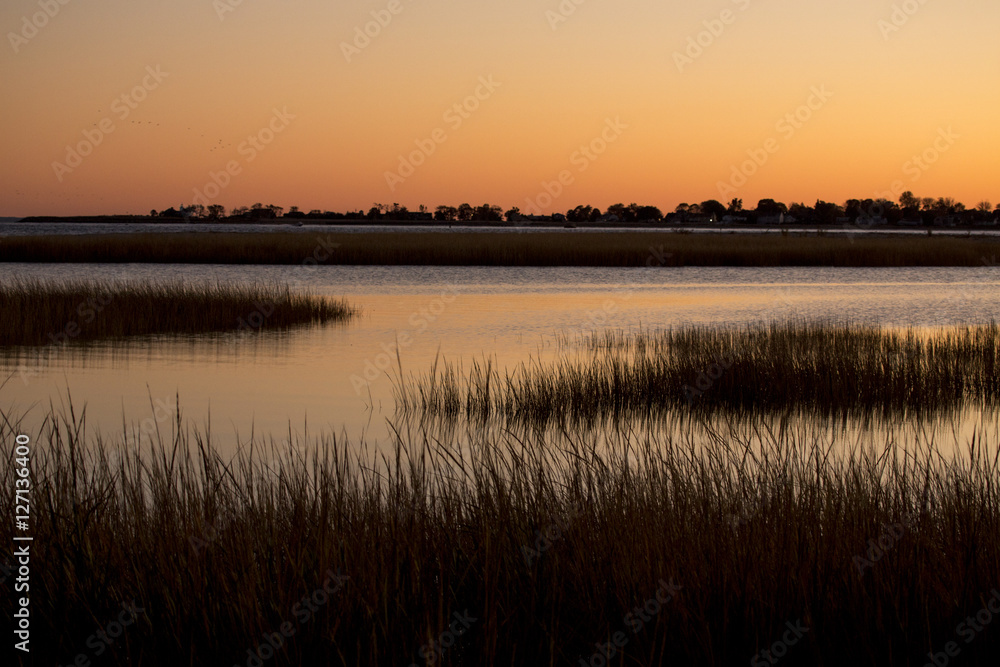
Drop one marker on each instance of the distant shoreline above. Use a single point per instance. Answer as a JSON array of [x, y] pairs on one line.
[[800, 227], [551, 248]]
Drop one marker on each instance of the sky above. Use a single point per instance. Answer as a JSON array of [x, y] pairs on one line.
[[122, 106]]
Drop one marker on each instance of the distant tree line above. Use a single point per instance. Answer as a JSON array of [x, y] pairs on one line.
[[909, 210]]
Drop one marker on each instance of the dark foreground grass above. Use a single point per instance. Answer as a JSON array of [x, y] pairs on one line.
[[876, 552], [824, 368], [44, 313], [506, 249]]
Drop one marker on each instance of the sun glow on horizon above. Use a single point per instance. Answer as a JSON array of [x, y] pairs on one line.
[[115, 106]]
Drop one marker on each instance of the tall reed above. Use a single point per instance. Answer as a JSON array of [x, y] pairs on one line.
[[878, 548], [822, 367], [625, 249]]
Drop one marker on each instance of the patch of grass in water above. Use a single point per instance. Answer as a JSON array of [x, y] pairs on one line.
[[824, 368], [44, 313]]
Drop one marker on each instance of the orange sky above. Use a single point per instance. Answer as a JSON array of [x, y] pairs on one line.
[[305, 114]]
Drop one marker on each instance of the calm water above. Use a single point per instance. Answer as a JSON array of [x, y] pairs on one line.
[[337, 377]]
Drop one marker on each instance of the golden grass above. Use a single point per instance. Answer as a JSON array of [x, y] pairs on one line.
[[760, 527], [824, 368], [506, 249], [44, 313]]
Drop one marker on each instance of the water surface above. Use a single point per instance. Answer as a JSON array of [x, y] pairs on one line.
[[339, 377]]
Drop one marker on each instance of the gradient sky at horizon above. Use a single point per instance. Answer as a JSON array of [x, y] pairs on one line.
[[894, 96]]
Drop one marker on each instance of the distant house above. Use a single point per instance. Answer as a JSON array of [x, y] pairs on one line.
[[609, 217], [734, 218]]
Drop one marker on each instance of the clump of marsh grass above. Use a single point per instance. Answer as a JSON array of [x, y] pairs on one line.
[[41, 312], [636, 249], [548, 543], [822, 367]]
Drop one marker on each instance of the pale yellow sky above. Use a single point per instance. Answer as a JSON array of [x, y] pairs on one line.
[[617, 97]]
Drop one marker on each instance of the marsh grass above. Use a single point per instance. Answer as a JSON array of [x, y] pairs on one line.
[[760, 526], [822, 368], [43, 313], [625, 249]]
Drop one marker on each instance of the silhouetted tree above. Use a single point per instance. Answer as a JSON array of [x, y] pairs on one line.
[[445, 213], [488, 213], [583, 213], [853, 209], [648, 213], [770, 208], [827, 213], [907, 200], [801, 212], [513, 215], [713, 207], [465, 212], [619, 210], [216, 211], [735, 206]]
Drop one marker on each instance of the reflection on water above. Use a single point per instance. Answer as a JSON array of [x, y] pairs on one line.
[[949, 432], [339, 378]]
